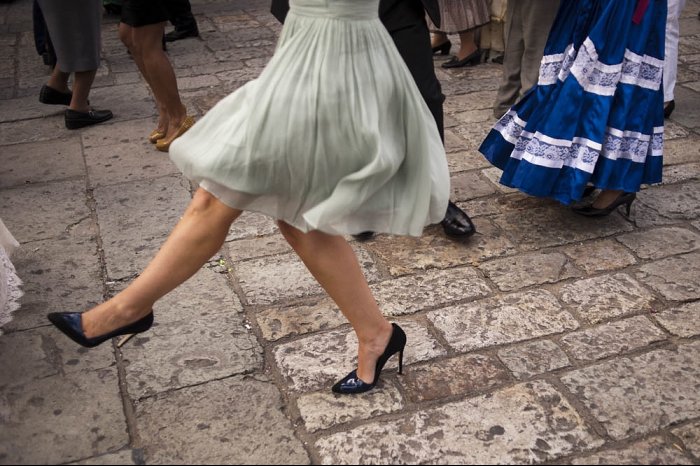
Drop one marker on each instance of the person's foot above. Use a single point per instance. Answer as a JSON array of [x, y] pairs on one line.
[[50, 96], [457, 223], [179, 34], [76, 120]]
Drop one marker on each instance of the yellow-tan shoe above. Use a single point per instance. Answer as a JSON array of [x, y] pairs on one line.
[[155, 135], [163, 145]]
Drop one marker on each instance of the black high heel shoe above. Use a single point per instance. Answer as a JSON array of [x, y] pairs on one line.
[[625, 199], [469, 60], [443, 48], [71, 323], [352, 384]]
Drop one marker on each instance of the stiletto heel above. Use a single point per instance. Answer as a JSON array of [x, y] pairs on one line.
[[443, 48], [71, 324], [625, 199], [352, 384]]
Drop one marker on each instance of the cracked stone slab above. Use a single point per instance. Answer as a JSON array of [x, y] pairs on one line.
[[690, 435], [320, 360], [39, 162], [404, 255], [534, 358], [28, 357], [62, 418], [646, 217], [635, 396], [676, 240], [466, 160], [600, 256], [127, 457], [464, 375], [239, 420], [516, 272], [470, 185], [607, 296], [433, 288], [253, 248], [135, 219], [323, 410], [555, 225], [494, 176], [269, 280], [44, 211], [676, 278], [680, 202], [502, 320], [683, 150], [175, 355], [124, 162], [251, 225], [612, 338], [680, 173], [683, 321], [654, 450], [59, 275], [527, 423], [300, 319]]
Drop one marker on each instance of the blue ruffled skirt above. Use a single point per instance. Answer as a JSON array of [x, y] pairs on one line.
[[596, 114]]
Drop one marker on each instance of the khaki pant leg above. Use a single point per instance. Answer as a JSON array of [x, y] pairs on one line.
[[514, 48], [538, 19]]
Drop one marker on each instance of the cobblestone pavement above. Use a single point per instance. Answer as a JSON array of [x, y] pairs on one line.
[[547, 338]]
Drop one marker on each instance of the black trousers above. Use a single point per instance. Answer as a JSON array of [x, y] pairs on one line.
[[180, 14], [413, 43]]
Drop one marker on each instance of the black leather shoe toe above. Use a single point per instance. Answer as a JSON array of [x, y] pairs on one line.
[[75, 120], [50, 96], [457, 223], [178, 34]]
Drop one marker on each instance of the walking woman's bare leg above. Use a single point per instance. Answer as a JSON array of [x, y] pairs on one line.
[[331, 260], [199, 234]]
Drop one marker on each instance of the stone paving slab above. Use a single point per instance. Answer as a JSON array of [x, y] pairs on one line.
[[124, 162], [320, 360], [37, 354], [690, 435], [516, 272], [43, 211], [135, 219], [600, 256], [121, 457], [676, 278], [483, 430], [634, 396], [607, 296], [681, 202], [645, 244], [323, 410], [280, 322], [234, 421], [59, 275], [655, 450], [463, 375], [32, 163], [433, 250], [683, 321], [612, 338], [271, 279], [53, 414], [530, 359], [502, 320]]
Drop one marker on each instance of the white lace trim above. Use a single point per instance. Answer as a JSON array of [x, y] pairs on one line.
[[579, 153], [10, 292], [598, 78]]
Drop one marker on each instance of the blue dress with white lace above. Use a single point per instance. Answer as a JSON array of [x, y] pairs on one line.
[[596, 114]]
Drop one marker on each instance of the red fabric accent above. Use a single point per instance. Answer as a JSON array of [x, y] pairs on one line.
[[642, 6]]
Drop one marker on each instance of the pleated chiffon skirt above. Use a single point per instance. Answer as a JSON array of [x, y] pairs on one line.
[[333, 136], [462, 15], [596, 115]]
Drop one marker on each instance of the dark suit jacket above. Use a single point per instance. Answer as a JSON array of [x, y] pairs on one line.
[[395, 14]]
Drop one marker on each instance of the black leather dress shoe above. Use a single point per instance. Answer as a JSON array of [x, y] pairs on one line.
[[669, 108], [457, 223], [75, 120], [469, 60], [50, 96], [364, 236], [178, 34]]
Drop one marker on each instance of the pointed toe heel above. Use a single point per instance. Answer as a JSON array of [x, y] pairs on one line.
[[71, 324], [624, 199], [163, 144], [351, 384]]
